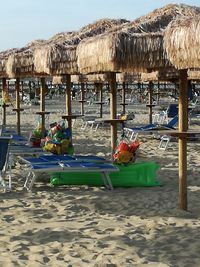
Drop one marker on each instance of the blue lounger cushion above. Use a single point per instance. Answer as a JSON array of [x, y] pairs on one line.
[[60, 158], [64, 166]]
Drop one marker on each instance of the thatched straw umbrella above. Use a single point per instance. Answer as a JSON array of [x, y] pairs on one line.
[[182, 43], [121, 52], [20, 62], [20, 65], [59, 57], [3, 75]]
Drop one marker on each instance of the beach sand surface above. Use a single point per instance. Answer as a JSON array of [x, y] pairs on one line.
[[91, 226]]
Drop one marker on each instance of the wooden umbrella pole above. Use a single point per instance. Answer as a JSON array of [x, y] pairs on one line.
[[22, 90], [68, 100], [101, 99], [123, 97], [183, 127], [17, 90], [113, 110], [82, 98], [42, 104], [4, 92], [158, 93], [150, 101]]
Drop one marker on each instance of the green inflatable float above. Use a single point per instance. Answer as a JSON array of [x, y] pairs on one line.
[[131, 175]]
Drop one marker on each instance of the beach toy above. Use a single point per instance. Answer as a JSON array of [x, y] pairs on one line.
[[53, 148], [36, 133], [58, 140], [64, 145], [57, 136], [134, 146], [123, 146], [125, 153], [67, 133], [123, 157]]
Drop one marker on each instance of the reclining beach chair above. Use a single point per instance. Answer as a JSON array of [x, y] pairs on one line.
[[62, 158], [70, 166], [4, 162], [15, 137], [165, 115], [150, 128]]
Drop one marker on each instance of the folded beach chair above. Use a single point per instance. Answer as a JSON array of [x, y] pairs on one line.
[[133, 132], [164, 142], [4, 163], [71, 166], [91, 122]]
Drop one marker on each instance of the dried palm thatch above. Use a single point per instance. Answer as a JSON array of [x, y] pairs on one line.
[[182, 42], [79, 78], [58, 79], [3, 59], [194, 74], [169, 74], [122, 52], [59, 57], [158, 19], [128, 77], [20, 62], [135, 44]]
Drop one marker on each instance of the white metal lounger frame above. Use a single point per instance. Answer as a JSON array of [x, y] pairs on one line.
[[61, 168]]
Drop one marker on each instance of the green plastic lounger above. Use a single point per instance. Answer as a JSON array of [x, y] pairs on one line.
[[132, 175]]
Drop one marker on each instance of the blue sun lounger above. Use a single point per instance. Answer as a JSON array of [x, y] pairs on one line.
[[62, 158], [152, 127], [72, 166], [4, 162]]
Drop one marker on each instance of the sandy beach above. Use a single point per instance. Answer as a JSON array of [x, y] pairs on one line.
[[91, 226]]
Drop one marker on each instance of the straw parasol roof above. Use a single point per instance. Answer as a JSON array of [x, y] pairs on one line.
[[136, 46], [158, 19], [58, 57], [182, 42], [20, 61], [3, 59], [122, 52]]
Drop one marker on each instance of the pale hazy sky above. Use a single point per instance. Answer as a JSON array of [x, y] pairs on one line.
[[22, 21]]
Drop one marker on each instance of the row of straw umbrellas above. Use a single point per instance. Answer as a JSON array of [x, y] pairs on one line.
[[162, 44]]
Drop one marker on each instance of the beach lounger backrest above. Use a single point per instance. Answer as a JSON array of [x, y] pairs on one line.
[[172, 110], [4, 151], [173, 122], [4, 157]]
